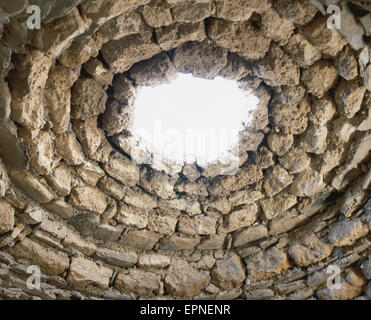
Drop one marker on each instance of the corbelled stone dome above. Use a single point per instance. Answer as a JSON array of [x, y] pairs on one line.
[[75, 203]]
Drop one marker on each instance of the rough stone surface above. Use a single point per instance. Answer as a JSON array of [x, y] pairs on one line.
[[266, 264], [138, 282], [346, 232], [84, 272], [309, 250], [228, 273], [183, 280]]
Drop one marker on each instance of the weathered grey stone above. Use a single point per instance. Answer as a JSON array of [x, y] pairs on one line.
[[200, 59], [241, 38], [259, 294], [88, 99], [117, 258], [77, 242], [54, 9], [277, 68], [101, 11], [347, 232], [122, 54], [244, 216], [202, 225], [60, 180], [61, 208], [346, 64], [291, 118], [346, 292], [140, 239], [349, 96], [302, 51], [85, 223], [351, 29], [176, 243], [56, 36], [280, 143], [228, 273], [266, 264], [240, 10], [108, 233], [31, 186], [5, 99], [50, 261], [366, 268], [6, 217], [277, 179], [307, 183], [183, 280], [111, 187], [138, 282], [274, 27], [299, 12], [177, 33], [84, 272], [154, 71], [122, 169], [328, 41], [309, 249], [88, 198], [154, 261], [249, 235], [162, 223], [319, 78], [277, 205]]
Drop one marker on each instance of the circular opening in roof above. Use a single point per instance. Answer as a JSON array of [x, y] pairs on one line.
[[192, 120]]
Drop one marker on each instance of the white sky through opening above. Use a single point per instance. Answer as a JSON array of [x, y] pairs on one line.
[[192, 119]]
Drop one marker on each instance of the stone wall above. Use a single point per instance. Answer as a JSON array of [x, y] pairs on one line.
[[100, 226]]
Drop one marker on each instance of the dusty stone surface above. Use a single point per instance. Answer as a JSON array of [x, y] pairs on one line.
[[154, 71], [276, 206], [50, 261], [328, 41], [309, 250], [349, 96], [83, 272], [276, 60], [302, 51], [299, 12], [277, 179], [228, 273], [200, 59], [275, 27], [7, 217], [266, 264], [280, 143], [138, 282], [346, 292], [319, 78], [251, 46], [183, 280], [88, 198], [346, 232], [307, 183], [250, 234], [174, 35], [122, 169]]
